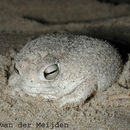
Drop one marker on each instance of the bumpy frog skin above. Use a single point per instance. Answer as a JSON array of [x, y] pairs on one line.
[[65, 68]]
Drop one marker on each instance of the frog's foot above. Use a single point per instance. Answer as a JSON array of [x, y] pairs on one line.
[[79, 95], [124, 80]]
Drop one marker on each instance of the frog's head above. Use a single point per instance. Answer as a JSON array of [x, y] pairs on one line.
[[45, 75]]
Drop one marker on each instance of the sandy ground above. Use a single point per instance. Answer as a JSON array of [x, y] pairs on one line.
[[22, 21]]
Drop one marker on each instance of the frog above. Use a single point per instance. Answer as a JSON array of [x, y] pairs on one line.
[[65, 68]]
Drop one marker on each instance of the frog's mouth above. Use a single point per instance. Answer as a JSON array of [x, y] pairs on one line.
[[36, 91]]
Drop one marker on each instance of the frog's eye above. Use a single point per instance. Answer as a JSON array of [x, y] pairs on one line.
[[51, 72], [15, 69]]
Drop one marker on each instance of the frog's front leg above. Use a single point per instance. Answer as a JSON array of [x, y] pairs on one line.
[[80, 94]]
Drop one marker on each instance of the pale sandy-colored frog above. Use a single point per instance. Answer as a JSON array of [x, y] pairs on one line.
[[65, 68]]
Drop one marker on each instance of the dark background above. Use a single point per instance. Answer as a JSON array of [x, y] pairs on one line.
[[104, 19]]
